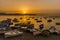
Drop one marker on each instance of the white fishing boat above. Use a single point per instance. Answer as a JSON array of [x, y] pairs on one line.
[[13, 33], [53, 30], [36, 33]]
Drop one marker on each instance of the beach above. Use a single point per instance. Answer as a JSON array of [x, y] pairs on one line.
[[33, 20]]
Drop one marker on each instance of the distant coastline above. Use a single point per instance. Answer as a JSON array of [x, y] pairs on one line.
[[17, 14]]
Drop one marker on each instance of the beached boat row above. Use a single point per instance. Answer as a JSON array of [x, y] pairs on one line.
[[18, 29]]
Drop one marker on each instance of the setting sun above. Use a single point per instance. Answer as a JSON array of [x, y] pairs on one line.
[[24, 10]]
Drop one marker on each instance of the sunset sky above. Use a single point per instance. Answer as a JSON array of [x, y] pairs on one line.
[[29, 5]]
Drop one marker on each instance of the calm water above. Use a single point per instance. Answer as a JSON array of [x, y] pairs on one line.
[[36, 25]]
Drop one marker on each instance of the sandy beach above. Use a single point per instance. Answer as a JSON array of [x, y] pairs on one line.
[[27, 36]]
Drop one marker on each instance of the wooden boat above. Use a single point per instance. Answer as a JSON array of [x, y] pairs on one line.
[[53, 30], [13, 33]]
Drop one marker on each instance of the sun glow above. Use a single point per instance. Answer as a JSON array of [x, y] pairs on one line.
[[24, 20], [24, 10]]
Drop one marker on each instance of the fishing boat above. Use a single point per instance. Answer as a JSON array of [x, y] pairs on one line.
[[12, 33]]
